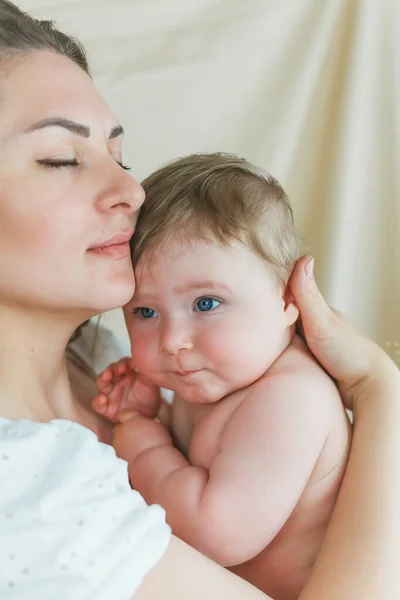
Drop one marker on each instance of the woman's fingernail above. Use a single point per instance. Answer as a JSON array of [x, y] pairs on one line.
[[309, 268]]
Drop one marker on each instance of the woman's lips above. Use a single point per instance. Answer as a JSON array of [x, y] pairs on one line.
[[116, 247], [116, 251]]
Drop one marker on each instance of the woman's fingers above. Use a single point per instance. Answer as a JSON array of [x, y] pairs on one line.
[[342, 350], [316, 316]]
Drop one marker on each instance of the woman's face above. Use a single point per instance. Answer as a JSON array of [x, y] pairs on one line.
[[63, 195]]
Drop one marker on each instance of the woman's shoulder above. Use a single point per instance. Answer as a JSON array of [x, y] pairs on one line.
[[69, 516], [61, 459], [60, 455], [64, 443]]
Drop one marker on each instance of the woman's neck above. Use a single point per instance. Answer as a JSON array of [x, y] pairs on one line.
[[34, 382]]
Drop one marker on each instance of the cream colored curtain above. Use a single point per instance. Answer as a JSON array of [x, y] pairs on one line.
[[308, 89]]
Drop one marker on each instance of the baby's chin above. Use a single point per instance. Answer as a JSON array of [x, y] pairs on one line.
[[199, 394], [204, 390], [192, 398]]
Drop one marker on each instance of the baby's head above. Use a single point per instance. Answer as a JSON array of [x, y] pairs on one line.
[[214, 247]]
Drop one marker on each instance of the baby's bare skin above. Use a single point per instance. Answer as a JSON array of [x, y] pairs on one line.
[[250, 480], [253, 455], [282, 568]]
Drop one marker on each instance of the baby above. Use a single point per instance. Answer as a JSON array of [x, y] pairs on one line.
[[258, 437]]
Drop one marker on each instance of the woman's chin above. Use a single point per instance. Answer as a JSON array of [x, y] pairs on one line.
[[113, 296], [115, 284]]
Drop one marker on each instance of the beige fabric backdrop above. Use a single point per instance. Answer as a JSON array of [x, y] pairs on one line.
[[308, 89]]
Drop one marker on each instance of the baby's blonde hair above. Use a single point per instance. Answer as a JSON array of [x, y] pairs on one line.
[[218, 197]]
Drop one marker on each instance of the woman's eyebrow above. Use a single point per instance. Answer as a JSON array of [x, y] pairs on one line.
[[76, 128]]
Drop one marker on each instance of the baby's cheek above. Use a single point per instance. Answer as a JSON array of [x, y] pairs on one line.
[[224, 340], [237, 355], [142, 351]]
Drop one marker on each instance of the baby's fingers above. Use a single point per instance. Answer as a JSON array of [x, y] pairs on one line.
[[122, 367], [112, 375], [104, 381], [100, 403], [103, 406]]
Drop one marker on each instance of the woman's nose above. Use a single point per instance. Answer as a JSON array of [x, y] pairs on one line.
[[121, 192]]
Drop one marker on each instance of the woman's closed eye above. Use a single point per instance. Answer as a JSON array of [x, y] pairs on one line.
[[59, 164], [206, 304], [145, 313]]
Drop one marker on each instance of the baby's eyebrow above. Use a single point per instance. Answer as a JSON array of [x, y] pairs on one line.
[[206, 284]]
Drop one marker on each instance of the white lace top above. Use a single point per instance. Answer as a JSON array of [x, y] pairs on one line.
[[71, 528]]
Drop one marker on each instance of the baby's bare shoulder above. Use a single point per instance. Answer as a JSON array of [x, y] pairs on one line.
[[297, 364], [297, 380]]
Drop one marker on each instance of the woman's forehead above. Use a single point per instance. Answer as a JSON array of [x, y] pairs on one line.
[[46, 85]]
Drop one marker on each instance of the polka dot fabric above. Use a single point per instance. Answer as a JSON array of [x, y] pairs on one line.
[[70, 525]]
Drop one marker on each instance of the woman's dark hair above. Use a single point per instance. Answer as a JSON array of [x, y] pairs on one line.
[[21, 34]]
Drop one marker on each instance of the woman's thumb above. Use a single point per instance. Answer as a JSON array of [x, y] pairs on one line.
[[315, 313]]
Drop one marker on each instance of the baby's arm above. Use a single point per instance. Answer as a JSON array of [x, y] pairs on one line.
[[268, 451]]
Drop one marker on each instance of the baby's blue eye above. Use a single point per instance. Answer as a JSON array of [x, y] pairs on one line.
[[206, 304], [146, 313]]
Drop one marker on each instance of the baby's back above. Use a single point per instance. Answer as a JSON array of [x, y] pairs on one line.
[[282, 568]]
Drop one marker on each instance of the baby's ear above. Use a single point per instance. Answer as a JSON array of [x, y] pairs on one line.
[[291, 310]]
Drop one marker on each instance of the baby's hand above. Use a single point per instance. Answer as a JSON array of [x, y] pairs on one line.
[[122, 388]]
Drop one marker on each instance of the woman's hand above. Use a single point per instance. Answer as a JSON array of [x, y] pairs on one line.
[[354, 361], [359, 554]]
